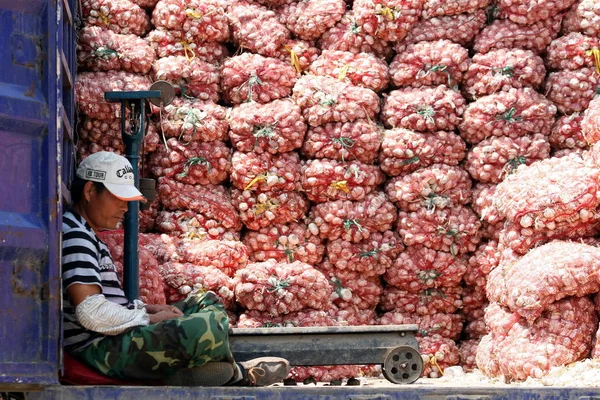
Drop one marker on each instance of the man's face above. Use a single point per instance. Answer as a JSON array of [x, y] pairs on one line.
[[104, 210]]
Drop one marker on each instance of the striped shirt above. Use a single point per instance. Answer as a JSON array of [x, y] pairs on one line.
[[86, 260]]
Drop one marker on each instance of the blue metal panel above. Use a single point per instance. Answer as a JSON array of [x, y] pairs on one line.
[[397, 392], [29, 207]]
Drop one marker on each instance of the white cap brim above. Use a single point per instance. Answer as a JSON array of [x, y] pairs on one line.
[[125, 192]]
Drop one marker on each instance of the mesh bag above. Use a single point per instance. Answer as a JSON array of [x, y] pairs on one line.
[[358, 140], [419, 268], [252, 77], [265, 172], [492, 159], [455, 229], [258, 210], [353, 220], [327, 180], [104, 50], [503, 69], [404, 151], [438, 186], [363, 69], [441, 62], [513, 114], [518, 350], [275, 127], [281, 288], [325, 99], [285, 243], [423, 109]]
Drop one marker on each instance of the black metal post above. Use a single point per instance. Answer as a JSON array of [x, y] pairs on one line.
[[132, 138], [135, 103]]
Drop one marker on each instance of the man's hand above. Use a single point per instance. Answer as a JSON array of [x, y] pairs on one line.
[[162, 312], [156, 308], [162, 316]]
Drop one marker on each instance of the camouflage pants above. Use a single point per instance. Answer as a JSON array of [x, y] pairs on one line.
[[159, 350]]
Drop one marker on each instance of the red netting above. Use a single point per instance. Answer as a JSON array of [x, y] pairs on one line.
[[212, 201], [353, 316], [302, 318], [298, 53], [119, 16], [190, 224], [482, 203], [572, 51], [481, 263], [438, 353], [151, 287], [91, 86], [455, 229], [590, 124], [194, 120], [270, 208], [467, 349], [168, 42], [423, 109], [195, 163], [429, 64], [513, 114], [572, 91], [389, 20], [252, 77], [505, 34], [227, 256], [419, 268], [325, 99], [446, 325], [549, 273], [518, 350], [352, 288], [327, 180], [404, 151], [275, 127], [309, 19], [201, 20], [426, 302], [256, 28], [503, 69], [438, 186], [290, 242], [281, 288], [104, 50], [492, 159], [363, 69], [370, 257], [193, 77], [583, 17], [553, 198], [460, 28], [358, 140], [528, 12], [347, 35], [327, 373], [183, 279], [475, 330], [434, 8], [353, 220], [566, 133], [265, 172]]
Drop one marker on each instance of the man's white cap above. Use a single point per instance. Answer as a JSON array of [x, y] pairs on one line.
[[114, 171]]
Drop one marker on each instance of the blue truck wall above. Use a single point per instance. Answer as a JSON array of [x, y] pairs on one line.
[[36, 107]]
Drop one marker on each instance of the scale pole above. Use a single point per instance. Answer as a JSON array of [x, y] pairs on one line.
[[160, 93], [131, 275]]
